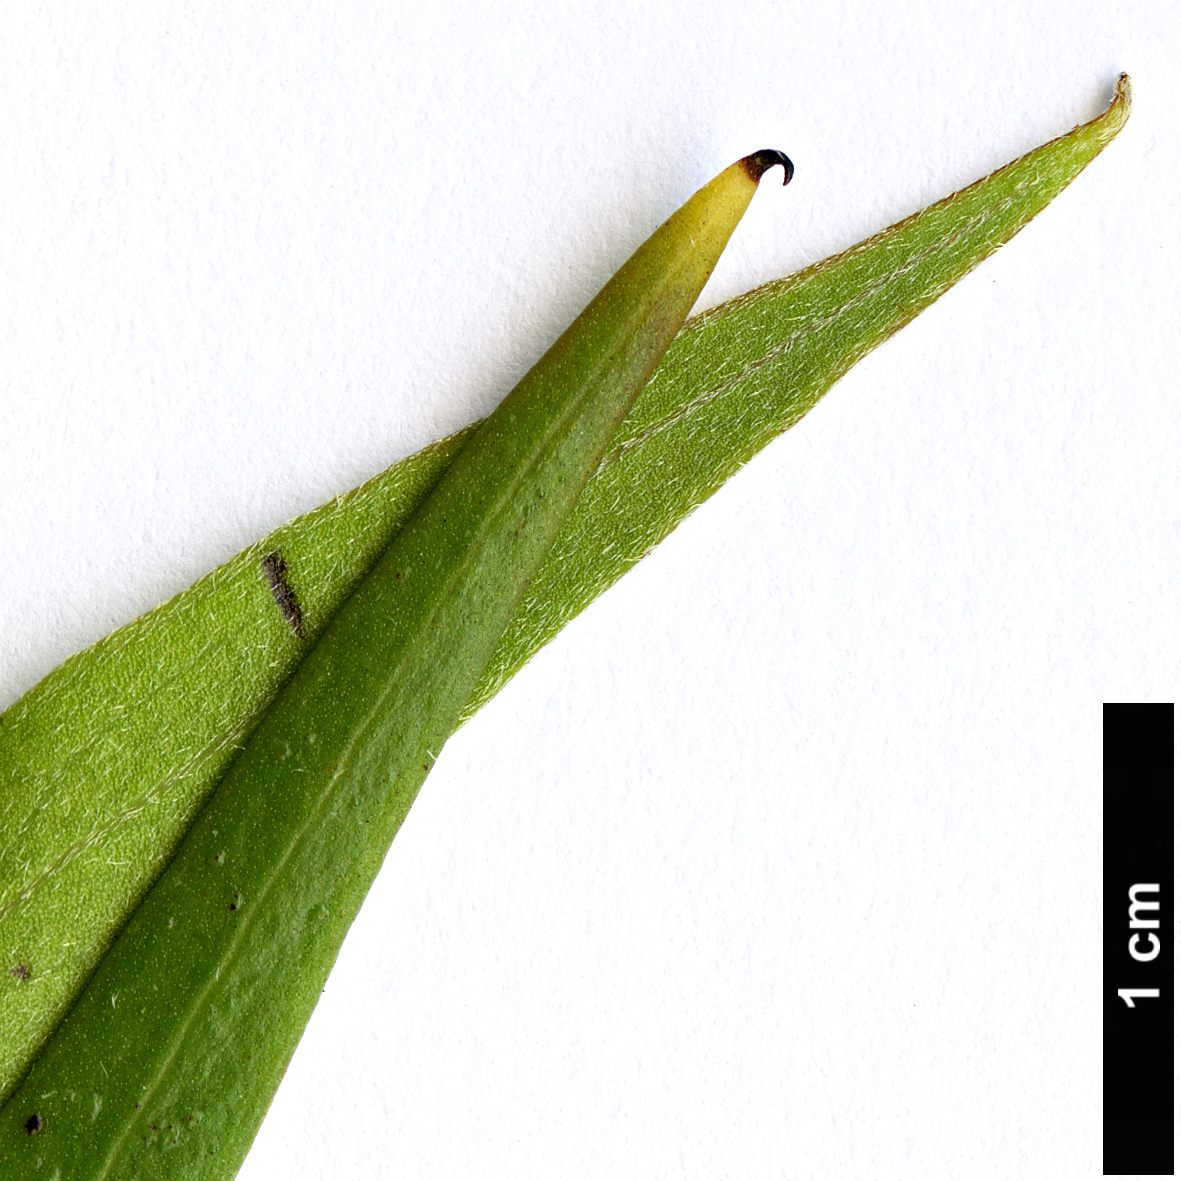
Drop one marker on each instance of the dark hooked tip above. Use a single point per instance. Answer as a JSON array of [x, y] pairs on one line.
[[758, 162]]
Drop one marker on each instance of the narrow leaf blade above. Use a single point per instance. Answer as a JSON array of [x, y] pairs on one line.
[[104, 763]]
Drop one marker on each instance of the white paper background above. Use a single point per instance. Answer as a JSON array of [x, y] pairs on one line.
[[783, 860]]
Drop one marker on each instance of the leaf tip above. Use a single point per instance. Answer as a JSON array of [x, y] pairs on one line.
[[758, 162], [1123, 92]]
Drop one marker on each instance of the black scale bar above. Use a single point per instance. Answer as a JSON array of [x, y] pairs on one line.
[[1138, 940]]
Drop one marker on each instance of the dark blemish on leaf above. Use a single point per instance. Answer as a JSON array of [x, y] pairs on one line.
[[758, 162], [275, 570], [21, 972], [34, 1124]]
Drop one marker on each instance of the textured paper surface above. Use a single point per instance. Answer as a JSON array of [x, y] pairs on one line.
[[784, 859]]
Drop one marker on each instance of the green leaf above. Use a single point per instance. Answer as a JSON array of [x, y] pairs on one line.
[[104, 763], [167, 1062]]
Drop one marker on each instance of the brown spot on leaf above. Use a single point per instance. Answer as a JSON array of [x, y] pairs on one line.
[[275, 570]]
